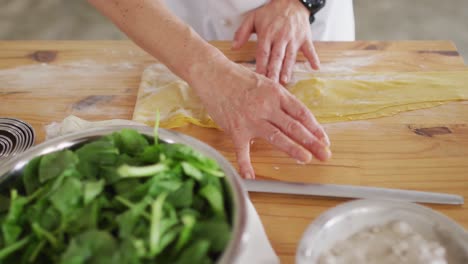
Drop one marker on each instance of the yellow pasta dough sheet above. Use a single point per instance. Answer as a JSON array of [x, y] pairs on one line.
[[332, 97]]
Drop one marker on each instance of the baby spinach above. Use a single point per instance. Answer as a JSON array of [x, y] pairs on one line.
[[123, 198]]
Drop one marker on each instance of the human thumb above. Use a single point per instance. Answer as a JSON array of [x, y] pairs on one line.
[[243, 32]]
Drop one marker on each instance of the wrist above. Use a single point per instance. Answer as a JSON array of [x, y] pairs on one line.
[[294, 7], [300, 6], [195, 58], [203, 71]]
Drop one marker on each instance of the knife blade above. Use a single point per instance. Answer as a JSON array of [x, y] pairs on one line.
[[350, 191]]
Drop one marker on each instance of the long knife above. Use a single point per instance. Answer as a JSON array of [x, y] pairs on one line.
[[350, 191]]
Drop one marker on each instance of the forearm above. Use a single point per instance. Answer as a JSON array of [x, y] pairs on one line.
[[154, 28]]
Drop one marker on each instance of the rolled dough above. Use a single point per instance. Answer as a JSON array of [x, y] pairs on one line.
[[331, 97]]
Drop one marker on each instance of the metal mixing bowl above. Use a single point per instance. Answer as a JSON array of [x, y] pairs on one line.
[[341, 222], [13, 168]]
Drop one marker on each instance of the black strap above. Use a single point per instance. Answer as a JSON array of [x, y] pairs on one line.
[[313, 6]]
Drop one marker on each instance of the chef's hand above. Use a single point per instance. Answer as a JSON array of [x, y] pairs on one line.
[[282, 28], [248, 105], [243, 103]]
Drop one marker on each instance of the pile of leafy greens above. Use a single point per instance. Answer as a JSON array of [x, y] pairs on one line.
[[119, 199]]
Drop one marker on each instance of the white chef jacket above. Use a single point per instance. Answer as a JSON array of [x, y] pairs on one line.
[[219, 19]]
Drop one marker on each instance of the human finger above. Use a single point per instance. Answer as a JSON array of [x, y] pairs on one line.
[[302, 136], [262, 54], [309, 52], [278, 139], [242, 147], [297, 110], [288, 63], [243, 32], [276, 59]]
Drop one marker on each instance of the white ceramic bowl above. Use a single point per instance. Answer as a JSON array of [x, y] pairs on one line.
[[341, 222]]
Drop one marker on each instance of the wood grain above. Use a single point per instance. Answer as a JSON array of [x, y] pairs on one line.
[[421, 150]]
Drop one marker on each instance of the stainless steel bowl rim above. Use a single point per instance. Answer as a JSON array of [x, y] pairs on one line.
[[237, 243]]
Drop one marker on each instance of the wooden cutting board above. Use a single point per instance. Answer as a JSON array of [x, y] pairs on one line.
[[42, 82]]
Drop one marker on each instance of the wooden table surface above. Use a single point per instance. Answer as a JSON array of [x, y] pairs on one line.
[[43, 82]]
